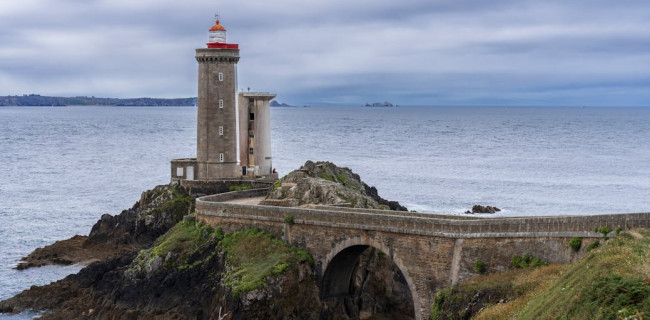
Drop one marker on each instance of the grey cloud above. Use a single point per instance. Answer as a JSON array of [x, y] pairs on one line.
[[417, 52]]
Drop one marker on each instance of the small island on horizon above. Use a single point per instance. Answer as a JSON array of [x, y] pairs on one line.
[[384, 104]]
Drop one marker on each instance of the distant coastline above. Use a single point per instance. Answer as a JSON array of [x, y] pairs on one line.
[[35, 100]]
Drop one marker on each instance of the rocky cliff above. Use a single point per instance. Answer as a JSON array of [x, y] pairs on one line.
[[156, 264], [157, 210], [324, 183]]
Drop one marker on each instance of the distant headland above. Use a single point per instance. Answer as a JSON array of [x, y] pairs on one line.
[[35, 100]]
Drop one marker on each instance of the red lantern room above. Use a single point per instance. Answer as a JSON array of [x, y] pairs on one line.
[[217, 38]]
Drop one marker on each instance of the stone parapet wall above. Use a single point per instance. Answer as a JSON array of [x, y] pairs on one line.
[[343, 208], [555, 226], [223, 186]]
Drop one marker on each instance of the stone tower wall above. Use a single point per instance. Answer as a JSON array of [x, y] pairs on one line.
[[210, 144], [261, 129]]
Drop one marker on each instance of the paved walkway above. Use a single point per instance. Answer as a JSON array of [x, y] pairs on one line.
[[250, 201]]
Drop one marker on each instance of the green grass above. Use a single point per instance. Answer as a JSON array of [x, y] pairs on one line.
[[240, 187], [179, 205], [611, 282], [255, 255], [327, 176], [342, 179], [184, 239], [467, 299]]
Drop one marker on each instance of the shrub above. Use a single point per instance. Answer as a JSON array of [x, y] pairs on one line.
[[605, 230], [288, 219], [618, 230], [527, 261], [575, 243], [593, 245], [479, 266]]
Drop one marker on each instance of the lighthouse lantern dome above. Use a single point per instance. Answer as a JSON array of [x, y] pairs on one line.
[[217, 33]]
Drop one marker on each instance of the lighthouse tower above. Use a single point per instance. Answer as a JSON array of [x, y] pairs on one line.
[[227, 148], [216, 152]]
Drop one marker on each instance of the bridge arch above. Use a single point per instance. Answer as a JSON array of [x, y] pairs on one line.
[[341, 261]]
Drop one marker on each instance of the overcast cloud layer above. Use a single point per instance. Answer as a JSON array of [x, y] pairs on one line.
[[424, 52]]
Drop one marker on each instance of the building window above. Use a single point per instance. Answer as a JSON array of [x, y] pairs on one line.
[[251, 116], [220, 103], [250, 150], [179, 172], [220, 76], [221, 130], [221, 157]]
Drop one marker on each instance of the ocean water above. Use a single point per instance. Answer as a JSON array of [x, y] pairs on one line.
[[64, 167]]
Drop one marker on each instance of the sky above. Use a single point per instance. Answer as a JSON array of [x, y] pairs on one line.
[[337, 52]]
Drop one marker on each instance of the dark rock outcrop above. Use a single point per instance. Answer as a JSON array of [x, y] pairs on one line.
[[158, 210], [483, 209], [104, 290]]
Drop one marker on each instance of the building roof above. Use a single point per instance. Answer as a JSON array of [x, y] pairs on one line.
[[217, 27], [249, 94]]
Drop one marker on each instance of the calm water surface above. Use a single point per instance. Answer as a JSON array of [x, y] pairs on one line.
[[64, 167]]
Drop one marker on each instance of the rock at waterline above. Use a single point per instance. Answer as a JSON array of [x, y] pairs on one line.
[[477, 208]]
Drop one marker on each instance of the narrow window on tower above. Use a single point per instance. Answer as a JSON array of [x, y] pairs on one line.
[[221, 157], [220, 76], [220, 103], [251, 116], [221, 130], [250, 150]]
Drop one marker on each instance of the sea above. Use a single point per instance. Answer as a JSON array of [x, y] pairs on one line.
[[63, 167]]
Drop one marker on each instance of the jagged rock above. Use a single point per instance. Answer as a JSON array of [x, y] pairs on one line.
[[483, 209], [325, 183], [158, 210], [113, 291]]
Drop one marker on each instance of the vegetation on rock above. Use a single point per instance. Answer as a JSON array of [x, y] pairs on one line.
[[575, 243], [608, 283], [240, 187], [255, 255], [527, 261], [479, 267]]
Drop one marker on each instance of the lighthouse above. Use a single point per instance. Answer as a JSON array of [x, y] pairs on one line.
[[216, 143], [233, 140]]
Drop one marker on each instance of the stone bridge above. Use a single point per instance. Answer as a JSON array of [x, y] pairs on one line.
[[431, 250]]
